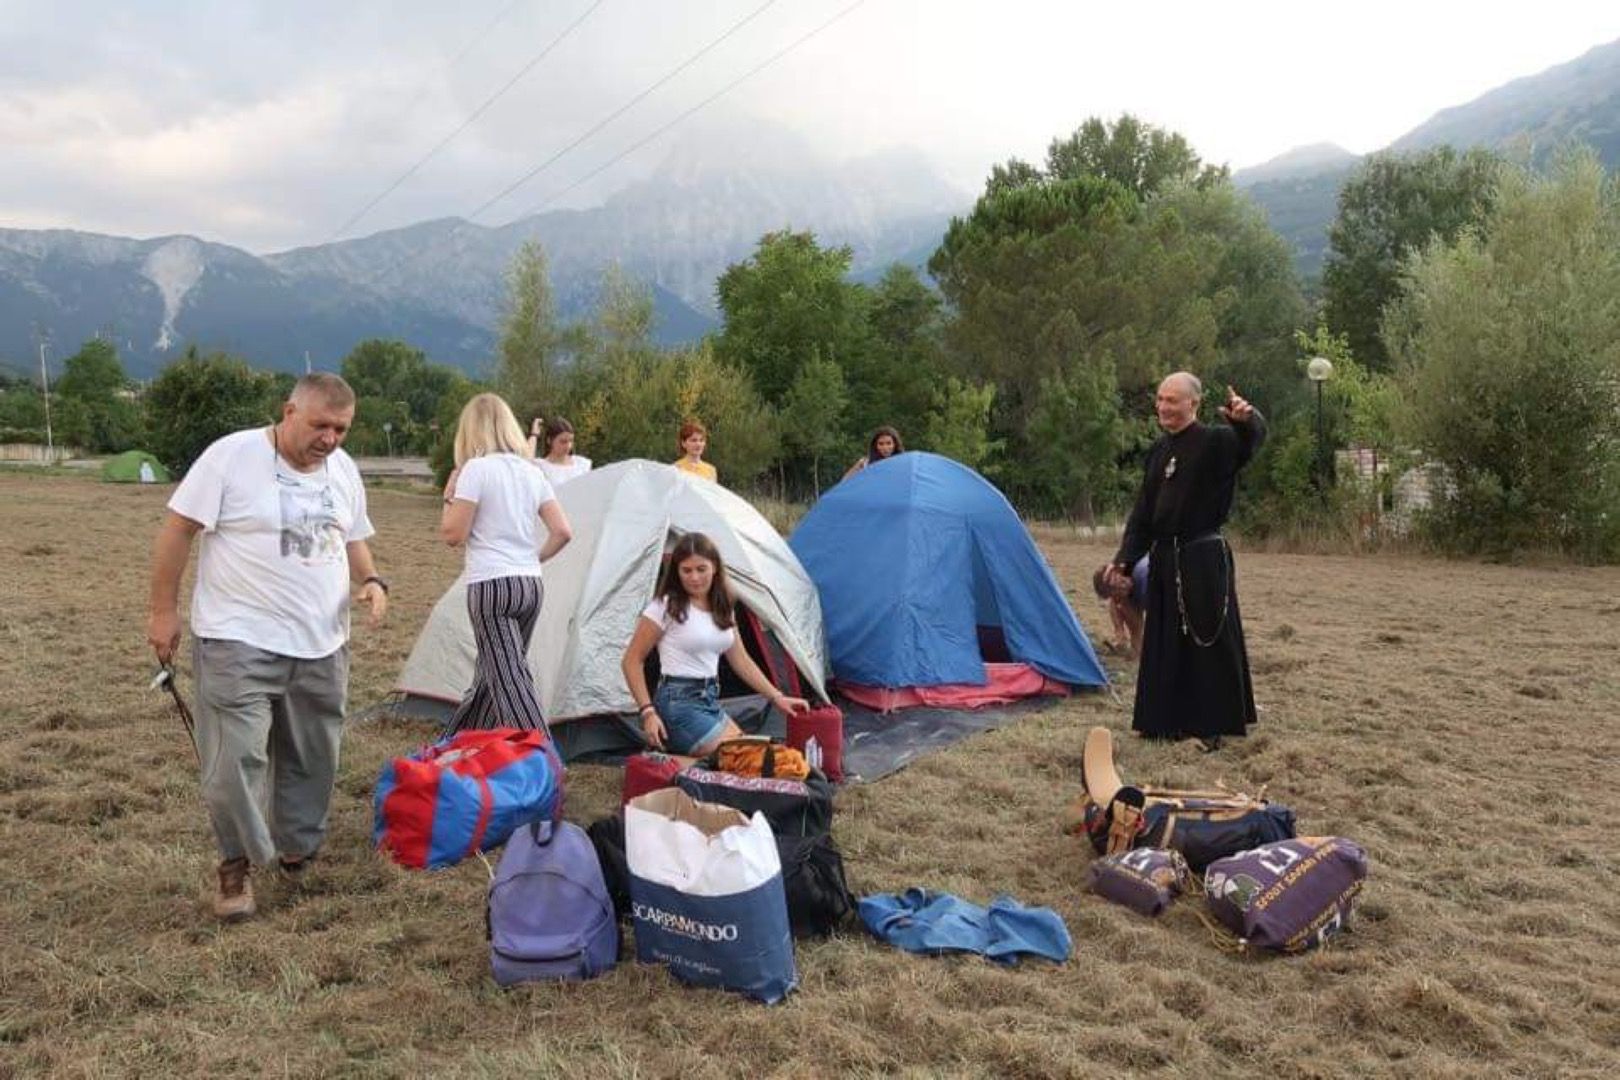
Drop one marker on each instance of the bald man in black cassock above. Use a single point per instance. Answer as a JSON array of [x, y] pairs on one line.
[[1194, 675]]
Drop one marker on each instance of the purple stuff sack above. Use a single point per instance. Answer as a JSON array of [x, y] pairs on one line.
[[1144, 880], [1289, 896]]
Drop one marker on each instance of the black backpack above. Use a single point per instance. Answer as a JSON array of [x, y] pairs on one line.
[[818, 898], [607, 836]]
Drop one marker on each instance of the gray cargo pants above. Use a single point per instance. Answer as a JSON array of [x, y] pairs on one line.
[[266, 720]]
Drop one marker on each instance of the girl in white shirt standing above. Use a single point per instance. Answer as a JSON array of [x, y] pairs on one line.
[[554, 452], [492, 503], [692, 623]]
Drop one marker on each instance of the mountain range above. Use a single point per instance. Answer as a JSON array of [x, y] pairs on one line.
[[440, 284], [1530, 117]]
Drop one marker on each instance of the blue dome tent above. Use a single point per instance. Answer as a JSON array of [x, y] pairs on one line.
[[925, 572]]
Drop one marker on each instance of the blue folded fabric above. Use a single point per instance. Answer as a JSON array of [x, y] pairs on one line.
[[922, 921]]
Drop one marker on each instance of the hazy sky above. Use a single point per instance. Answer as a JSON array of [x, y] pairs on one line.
[[267, 125]]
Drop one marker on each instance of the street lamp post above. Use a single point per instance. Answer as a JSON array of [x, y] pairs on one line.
[[388, 433], [1319, 371], [45, 387]]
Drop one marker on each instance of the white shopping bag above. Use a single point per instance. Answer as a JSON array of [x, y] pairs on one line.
[[702, 849], [706, 894]]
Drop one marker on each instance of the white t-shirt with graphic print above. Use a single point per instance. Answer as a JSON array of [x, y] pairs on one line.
[[690, 649], [273, 569]]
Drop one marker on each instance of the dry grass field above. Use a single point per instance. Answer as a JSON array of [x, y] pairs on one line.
[[1459, 720]]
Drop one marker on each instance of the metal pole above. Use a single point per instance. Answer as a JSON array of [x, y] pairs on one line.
[[45, 384], [1321, 453]]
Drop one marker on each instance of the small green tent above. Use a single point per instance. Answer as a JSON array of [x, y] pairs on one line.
[[135, 467]]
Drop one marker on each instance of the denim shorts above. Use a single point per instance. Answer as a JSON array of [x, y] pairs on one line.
[[690, 709]]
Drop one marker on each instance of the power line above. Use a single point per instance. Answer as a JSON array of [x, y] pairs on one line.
[[499, 18], [450, 64], [465, 124], [621, 110], [755, 70]]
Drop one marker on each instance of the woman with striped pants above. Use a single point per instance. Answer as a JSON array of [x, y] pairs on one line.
[[494, 503]]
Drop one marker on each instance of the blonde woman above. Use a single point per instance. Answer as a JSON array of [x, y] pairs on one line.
[[491, 504]]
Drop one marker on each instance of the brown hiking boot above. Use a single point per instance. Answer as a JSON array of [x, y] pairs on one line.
[[234, 901]]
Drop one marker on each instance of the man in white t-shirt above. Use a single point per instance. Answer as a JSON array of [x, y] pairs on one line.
[[282, 513]]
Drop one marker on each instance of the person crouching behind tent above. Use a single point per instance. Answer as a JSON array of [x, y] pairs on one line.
[[1126, 602], [692, 623], [885, 444], [491, 503]]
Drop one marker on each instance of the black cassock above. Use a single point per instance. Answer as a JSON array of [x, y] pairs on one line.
[[1194, 675]]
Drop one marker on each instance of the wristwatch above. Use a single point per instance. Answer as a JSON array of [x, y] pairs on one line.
[[382, 582]]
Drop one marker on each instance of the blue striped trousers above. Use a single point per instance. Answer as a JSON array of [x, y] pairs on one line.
[[503, 613]]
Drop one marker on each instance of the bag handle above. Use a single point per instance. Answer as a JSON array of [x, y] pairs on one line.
[[486, 810], [1125, 818]]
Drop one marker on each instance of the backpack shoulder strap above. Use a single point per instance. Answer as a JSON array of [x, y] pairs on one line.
[[1097, 771]]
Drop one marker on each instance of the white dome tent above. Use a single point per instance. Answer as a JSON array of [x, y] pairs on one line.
[[624, 518]]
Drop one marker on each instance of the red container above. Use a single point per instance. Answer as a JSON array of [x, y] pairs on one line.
[[819, 735], [648, 772]]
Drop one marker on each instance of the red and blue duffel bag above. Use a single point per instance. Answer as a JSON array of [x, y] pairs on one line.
[[465, 794]]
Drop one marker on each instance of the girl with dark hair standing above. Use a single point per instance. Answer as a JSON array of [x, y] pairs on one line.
[[692, 623], [555, 453], [885, 444]]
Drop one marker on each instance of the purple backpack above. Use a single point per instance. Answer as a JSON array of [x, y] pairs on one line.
[[549, 912], [1289, 896]]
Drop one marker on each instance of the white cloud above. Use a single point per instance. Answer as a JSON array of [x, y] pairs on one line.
[[267, 124]]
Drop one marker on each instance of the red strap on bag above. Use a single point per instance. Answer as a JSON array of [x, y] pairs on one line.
[[486, 807]]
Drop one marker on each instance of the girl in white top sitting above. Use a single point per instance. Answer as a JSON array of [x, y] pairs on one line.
[[493, 503], [692, 623], [554, 451]]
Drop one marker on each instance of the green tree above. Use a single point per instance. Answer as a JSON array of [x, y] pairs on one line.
[[624, 312], [395, 384], [1071, 276], [1076, 437], [1364, 405], [1253, 287], [1509, 344], [643, 397], [199, 398], [1139, 157], [440, 434], [619, 332], [813, 413], [895, 378], [22, 412], [957, 425], [98, 406], [1391, 207], [788, 302], [532, 339]]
